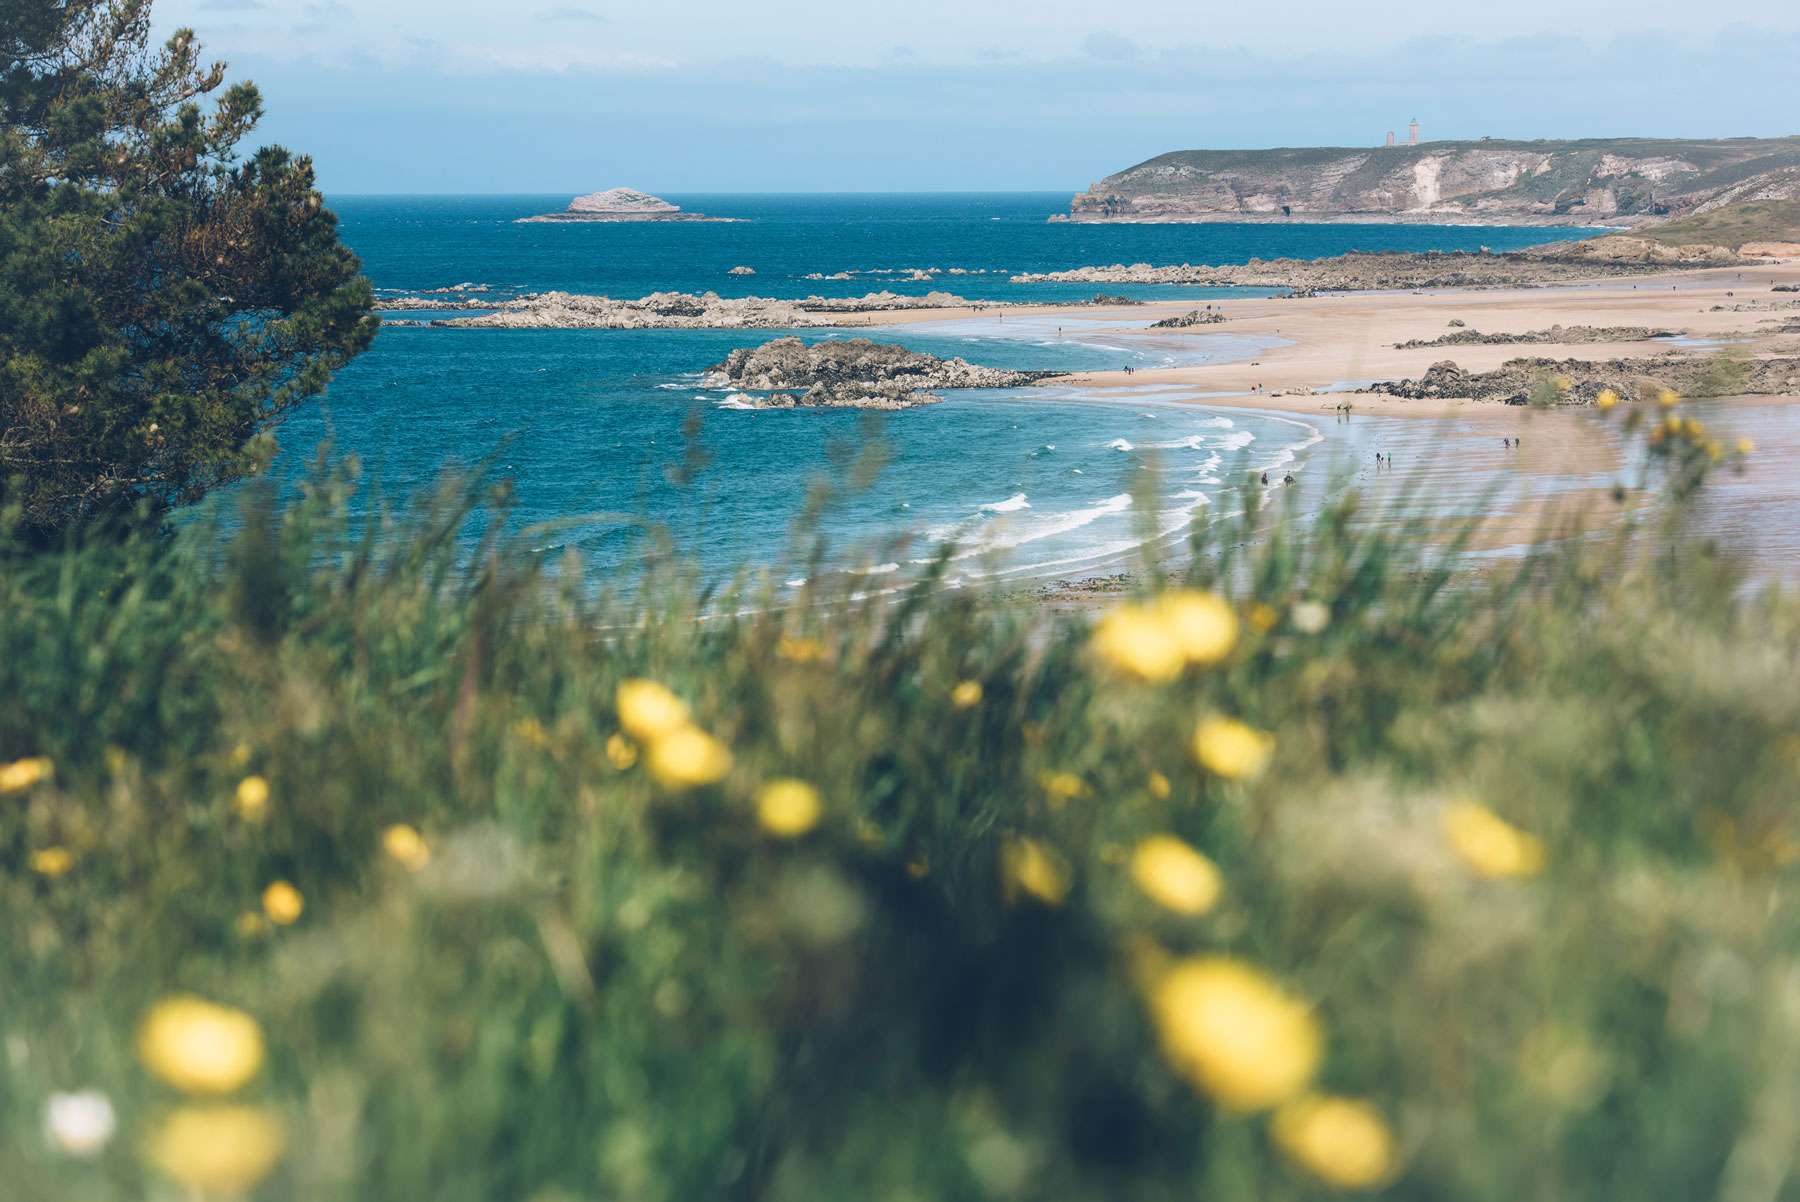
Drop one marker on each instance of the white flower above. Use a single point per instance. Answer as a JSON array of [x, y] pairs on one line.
[[79, 1124], [1310, 617]]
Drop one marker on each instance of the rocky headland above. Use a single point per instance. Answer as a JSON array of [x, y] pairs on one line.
[[1361, 271], [622, 204], [1555, 335], [853, 372], [1612, 181], [1580, 382]]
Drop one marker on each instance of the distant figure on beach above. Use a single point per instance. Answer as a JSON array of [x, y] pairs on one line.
[[1506, 442], [1265, 477], [1288, 479]]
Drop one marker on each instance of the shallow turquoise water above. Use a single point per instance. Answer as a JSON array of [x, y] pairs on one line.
[[588, 422]]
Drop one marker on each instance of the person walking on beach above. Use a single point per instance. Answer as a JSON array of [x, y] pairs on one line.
[[1265, 477]]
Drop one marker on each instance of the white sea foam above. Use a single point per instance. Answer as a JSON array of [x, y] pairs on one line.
[[737, 400], [1012, 504], [1119, 444]]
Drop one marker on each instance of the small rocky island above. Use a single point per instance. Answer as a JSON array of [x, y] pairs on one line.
[[622, 204], [851, 373]]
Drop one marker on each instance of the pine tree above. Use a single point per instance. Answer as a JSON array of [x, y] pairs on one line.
[[163, 300]]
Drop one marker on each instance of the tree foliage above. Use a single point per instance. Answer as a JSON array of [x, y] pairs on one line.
[[162, 298]]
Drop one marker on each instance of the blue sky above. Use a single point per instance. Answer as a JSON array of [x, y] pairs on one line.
[[802, 95]]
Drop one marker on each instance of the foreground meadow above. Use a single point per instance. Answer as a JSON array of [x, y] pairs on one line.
[[339, 863]]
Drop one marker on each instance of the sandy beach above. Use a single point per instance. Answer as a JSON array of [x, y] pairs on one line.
[[1528, 472]]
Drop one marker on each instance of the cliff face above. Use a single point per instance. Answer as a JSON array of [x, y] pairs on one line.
[[1610, 180]]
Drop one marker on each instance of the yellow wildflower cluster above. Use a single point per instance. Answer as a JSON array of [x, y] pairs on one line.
[[283, 903], [20, 775], [1175, 875], [406, 846], [1034, 869], [1491, 846], [1231, 749], [1157, 640], [200, 1047], [1243, 1040], [787, 807], [680, 754], [252, 799]]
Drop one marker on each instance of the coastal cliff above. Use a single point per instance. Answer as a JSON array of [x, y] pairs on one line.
[[1615, 181]]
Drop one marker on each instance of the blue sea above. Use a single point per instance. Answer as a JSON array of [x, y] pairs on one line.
[[592, 426]]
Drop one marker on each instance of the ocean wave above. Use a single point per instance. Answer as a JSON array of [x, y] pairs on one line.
[[1119, 444], [737, 400], [1012, 504]]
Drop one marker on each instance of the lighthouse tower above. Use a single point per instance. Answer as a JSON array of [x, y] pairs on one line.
[[1412, 133], [1390, 137]]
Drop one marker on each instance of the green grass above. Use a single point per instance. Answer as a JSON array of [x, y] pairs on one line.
[[603, 989], [1733, 225]]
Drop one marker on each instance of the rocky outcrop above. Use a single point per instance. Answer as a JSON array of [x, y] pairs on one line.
[[677, 310], [1611, 180], [1193, 317], [1580, 382], [622, 204], [1360, 270], [853, 367], [1555, 335]]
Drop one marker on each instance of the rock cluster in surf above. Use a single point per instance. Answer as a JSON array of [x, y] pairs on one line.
[[853, 372], [1555, 335]]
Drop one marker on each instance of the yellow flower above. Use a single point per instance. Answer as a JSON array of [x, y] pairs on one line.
[[282, 903], [787, 807], [1563, 383], [1159, 786], [1745, 446], [1263, 616], [648, 711], [621, 752], [530, 730], [199, 1047], [1175, 875], [1062, 786], [687, 757], [1341, 1141], [221, 1150], [252, 796], [1233, 1032], [52, 861], [1607, 398], [799, 650], [966, 695], [406, 846], [1668, 398], [1203, 626], [20, 775], [1226, 747], [1030, 867], [1135, 641], [1491, 846]]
